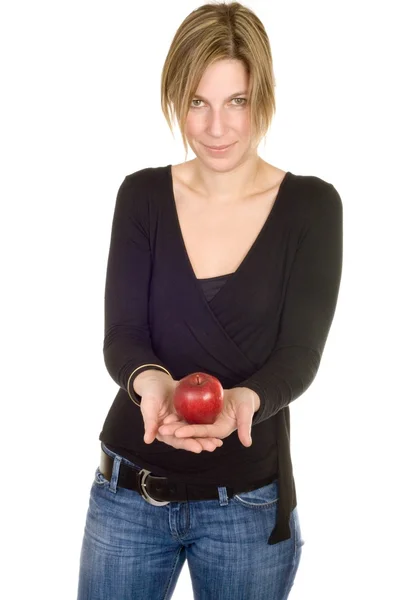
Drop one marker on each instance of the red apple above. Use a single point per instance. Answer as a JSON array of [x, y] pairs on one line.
[[198, 398]]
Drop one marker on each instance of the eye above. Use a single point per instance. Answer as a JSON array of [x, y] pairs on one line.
[[242, 103]]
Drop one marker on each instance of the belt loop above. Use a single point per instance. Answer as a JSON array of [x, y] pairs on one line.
[[114, 474], [223, 496]]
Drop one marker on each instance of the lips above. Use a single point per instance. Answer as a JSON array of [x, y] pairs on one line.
[[218, 147]]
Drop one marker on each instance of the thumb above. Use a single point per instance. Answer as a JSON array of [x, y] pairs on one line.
[[150, 420], [244, 417]]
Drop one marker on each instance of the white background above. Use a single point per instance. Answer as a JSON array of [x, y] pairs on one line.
[[81, 110]]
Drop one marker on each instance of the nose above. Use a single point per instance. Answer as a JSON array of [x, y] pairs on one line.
[[216, 124]]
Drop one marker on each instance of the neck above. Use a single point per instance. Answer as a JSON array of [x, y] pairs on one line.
[[228, 186]]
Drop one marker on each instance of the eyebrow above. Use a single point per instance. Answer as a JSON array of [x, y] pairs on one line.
[[229, 97]]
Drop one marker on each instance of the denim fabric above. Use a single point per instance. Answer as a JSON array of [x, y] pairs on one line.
[[132, 550]]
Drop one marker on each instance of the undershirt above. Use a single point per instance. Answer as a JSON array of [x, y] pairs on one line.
[[263, 327]]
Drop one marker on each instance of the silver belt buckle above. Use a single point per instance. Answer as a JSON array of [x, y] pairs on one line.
[[144, 493]]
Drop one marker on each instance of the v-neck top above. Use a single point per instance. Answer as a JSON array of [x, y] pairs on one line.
[[263, 327], [212, 285]]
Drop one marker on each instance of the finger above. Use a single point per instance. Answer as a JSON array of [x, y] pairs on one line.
[[197, 431], [150, 428], [171, 418], [150, 422], [171, 428], [210, 444], [191, 445], [217, 441], [244, 417], [207, 444]]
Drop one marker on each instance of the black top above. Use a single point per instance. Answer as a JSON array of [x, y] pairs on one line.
[[212, 285], [265, 328]]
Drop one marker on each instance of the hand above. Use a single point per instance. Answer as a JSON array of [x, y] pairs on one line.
[[239, 406], [157, 405]]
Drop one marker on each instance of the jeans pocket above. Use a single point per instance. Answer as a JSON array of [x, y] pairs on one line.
[[263, 497], [99, 478], [298, 538], [297, 529]]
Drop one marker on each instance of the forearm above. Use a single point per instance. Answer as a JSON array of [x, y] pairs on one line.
[[127, 342], [308, 309], [286, 376]]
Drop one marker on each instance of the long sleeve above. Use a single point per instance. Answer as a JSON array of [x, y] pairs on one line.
[[308, 310], [127, 341]]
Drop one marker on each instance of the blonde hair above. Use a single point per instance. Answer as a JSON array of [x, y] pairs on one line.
[[212, 32]]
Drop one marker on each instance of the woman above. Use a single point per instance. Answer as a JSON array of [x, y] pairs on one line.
[[224, 265]]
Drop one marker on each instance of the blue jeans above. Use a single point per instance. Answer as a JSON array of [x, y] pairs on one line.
[[133, 550]]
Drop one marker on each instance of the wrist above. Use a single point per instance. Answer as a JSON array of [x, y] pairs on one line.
[[150, 374], [257, 401], [254, 396]]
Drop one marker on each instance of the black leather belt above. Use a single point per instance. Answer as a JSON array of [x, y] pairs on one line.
[[160, 491]]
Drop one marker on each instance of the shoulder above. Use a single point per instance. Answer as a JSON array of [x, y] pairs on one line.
[[147, 177], [315, 194], [137, 187]]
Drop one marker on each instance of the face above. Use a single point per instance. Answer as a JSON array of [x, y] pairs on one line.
[[219, 115]]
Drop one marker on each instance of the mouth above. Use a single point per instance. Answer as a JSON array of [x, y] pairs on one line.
[[218, 148]]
